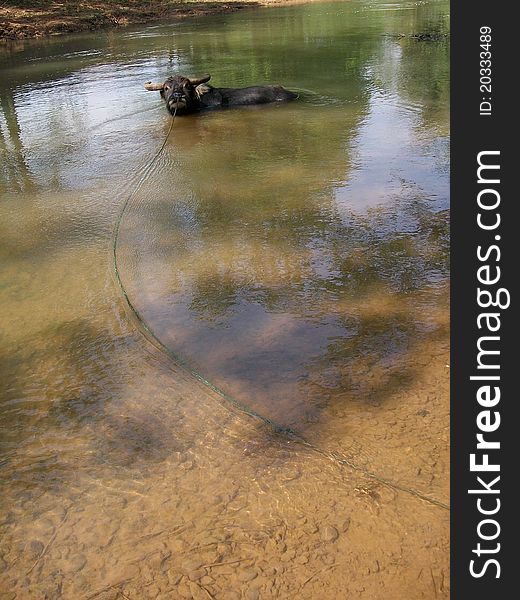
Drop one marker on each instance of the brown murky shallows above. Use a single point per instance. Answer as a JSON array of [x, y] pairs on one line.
[[294, 258]]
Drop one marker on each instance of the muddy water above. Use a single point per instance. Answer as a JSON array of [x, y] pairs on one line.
[[293, 258]]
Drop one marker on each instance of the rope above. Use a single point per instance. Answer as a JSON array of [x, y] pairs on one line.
[[146, 330], [152, 337]]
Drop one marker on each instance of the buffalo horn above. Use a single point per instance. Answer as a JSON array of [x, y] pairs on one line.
[[199, 80], [153, 87]]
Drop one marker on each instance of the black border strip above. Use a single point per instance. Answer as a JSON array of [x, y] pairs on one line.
[[473, 133]]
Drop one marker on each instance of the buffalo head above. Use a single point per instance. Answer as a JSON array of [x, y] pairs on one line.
[[179, 92]]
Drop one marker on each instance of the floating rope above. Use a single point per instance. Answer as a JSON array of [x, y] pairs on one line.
[[152, 337]]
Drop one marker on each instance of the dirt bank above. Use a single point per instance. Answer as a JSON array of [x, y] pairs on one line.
[[37, 18]]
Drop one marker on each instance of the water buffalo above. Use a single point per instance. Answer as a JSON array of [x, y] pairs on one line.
[[192, 94]]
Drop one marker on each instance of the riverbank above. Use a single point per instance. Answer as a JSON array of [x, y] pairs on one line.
[[38, 18]]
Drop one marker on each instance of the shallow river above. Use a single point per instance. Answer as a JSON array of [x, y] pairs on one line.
[[272, 419]]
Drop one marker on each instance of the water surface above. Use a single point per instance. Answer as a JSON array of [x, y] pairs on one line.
[[295, 256]]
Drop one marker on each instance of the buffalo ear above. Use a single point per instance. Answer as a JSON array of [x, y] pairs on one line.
[[198, 80], [202, 89]]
